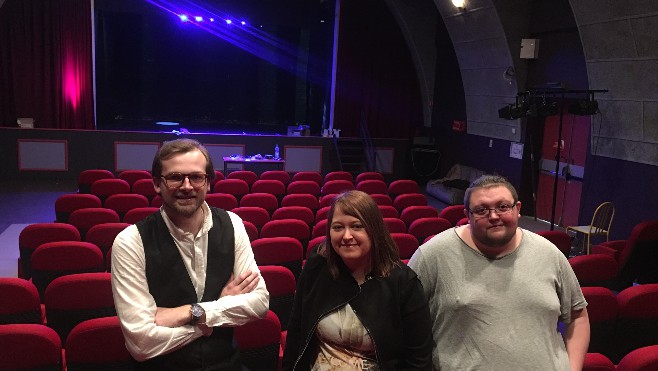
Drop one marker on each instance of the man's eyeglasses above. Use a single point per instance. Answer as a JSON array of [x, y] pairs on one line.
[[501, 209], [175, 180]]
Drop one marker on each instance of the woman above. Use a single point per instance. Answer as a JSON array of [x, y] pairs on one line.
[[357, 306]]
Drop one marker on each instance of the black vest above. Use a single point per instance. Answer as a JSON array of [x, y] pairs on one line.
[[170, 285]]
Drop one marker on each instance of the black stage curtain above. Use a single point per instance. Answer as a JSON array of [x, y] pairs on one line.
[[375, 78]]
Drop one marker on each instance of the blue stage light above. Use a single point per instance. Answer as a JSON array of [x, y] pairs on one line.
[[243, 23], [198, 18], [228, 21], [212, 19], [183, 17]]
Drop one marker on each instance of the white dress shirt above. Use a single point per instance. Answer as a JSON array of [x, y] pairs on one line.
[[136, 307]]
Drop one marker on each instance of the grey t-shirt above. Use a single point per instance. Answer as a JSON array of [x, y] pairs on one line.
[[497, 314]]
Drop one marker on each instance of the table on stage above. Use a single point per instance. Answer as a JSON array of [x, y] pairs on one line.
[[250, 160]]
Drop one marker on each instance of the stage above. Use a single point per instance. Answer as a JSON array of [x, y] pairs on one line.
[[61, 154]]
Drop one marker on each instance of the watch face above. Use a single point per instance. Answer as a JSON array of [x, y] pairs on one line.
[[197, 311]]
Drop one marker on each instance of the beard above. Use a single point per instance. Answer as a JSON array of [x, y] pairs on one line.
[[497, 240], [185, 209]]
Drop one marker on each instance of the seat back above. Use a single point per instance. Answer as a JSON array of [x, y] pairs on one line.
[[319, 229], [87, 177], [603, 311], [305, 200], [407, 244], [594, 270], [388, 211], [104, 188], [639, 259], [235, 187], [403, 201], [75, 298], [294, 228], [272, 186], [312, 176], [642, 359], [34, 235], [638, 318], [424, 227], [322, 213], [453, 213], [97, 344], [265, 200], [295, 212], [283, 251], [103, 235], [281, 285], [251, 229], [123, 202], [402, 186], [254, 214], [303, 187], [68, 203], [259, 343], [368, 175], [382, 199], [20, 301], [372, 187], [138, 214], [83, 219], [248, 176], [222, 200], [145, 188], [280, 175], [56, 259], [30, 347], [336, 186], [395, 225], [412, 213], [327, 200], [558, 238], [131, 176], [597, 362], [338, 175]]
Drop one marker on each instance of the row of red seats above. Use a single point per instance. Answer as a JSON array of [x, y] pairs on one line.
[[73, 299], [87, 177]]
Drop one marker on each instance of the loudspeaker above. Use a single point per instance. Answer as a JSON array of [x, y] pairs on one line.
[[529, 48]]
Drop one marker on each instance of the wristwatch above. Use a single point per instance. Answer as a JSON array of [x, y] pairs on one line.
[[197, 312]]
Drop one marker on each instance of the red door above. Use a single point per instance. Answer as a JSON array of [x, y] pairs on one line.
[[575, 133]]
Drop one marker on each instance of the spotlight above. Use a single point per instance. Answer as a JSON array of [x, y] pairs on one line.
[[543, 109], [212, 19], [243, 23], [584, 108], [198, 18], [228, 21], [183, 17]]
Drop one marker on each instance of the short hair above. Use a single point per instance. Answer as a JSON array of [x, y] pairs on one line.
[[176, 147], [488, 181], [384, 253]]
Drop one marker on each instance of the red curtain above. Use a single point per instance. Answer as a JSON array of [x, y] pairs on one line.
[[375, 79], [46, 63]]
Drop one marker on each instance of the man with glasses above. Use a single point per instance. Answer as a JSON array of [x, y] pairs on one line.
[[497, 291], [186, 275]]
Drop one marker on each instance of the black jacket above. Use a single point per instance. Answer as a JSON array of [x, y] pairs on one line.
[[393, 309]]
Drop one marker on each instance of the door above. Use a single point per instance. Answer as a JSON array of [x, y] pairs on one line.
[[573, 153]]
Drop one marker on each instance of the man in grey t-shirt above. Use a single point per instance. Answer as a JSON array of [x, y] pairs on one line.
[[496, 291]]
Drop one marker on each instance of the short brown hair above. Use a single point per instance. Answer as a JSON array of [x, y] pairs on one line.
[[179, 146], [384, 253], [488, 181]]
